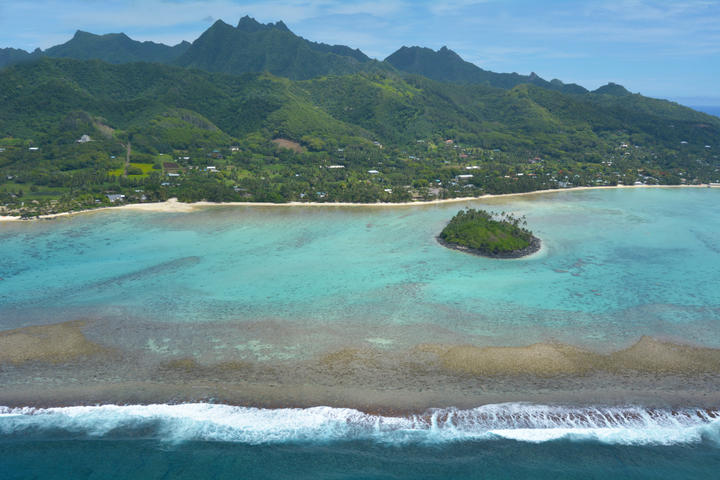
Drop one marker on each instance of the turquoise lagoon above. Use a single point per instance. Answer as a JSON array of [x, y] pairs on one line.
[[283, 286], [615, 265]]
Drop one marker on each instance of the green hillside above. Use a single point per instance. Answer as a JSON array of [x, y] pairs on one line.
[[9, 56], [254, 47], [155, 130], [445, 65], [115, 48]]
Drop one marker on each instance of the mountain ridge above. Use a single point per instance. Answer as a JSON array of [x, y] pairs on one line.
[[251, 46], [115, 48], [446, 65], [256, 47]]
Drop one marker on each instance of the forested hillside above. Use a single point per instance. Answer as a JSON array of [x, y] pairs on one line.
[[273, 48], [331, 125], [115, 48], [447, 66]]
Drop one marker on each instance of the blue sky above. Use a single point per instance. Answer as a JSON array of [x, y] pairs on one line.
[[667, 49]]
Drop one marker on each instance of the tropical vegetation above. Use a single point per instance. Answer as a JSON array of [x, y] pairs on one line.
[[486, 233], [277, 118]]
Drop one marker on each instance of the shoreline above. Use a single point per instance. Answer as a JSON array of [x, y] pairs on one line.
[[174, 206], [398, 403]]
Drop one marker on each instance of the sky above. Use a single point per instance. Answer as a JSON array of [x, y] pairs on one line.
[[665, 49]]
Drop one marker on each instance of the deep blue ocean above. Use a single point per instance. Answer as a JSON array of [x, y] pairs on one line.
[[711, 109], [214, 441], [147, 459]]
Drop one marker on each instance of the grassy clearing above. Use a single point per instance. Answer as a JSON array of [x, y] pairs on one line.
[[145, 168]]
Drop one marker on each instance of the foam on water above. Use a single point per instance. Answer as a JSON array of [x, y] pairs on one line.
[[224, 423]]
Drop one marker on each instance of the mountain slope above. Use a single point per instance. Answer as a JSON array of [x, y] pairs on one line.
[[389, 137], [254, 47], [10, 56], [445, 65], [380, 105], [38, 95], [115, 48]]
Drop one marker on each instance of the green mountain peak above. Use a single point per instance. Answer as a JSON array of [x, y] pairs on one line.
[[446, 65], [256, 47], [612, 89]]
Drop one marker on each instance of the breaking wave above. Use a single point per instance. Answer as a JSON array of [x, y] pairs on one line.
[[224, 423]]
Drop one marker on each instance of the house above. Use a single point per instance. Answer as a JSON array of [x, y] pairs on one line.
[[34, 149], [465, 177], [234, 149], [449, 142], [84, 139], [115, 197], [336, 166], [211, 168], [373, 172], [173, 174]]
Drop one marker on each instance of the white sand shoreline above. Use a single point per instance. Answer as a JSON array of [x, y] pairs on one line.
[[173, 205]]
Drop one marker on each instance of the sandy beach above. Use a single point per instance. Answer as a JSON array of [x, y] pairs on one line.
[[173, 205]]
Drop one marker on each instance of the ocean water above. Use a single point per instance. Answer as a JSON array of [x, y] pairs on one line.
[[711, 109], [615, 264], [287, 293], [495, 441]]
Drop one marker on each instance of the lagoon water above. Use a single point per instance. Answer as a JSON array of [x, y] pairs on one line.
[[615, 264], [279, 286]]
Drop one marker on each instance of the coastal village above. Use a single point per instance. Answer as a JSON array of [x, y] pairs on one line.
[[285, 170]]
